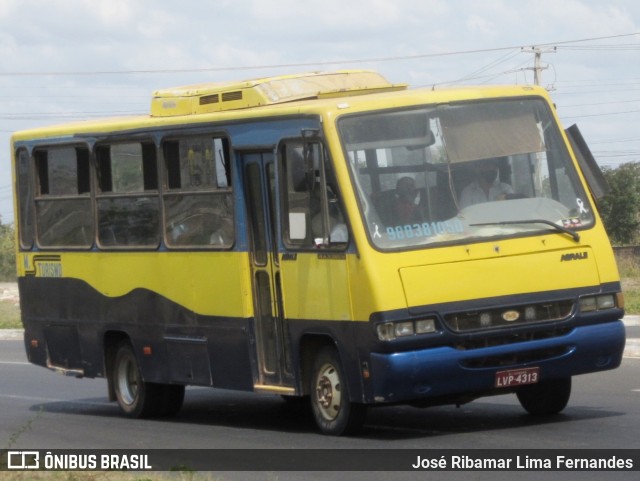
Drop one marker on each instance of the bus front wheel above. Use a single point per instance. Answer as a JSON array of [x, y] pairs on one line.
[[546, 398], [332, 410]]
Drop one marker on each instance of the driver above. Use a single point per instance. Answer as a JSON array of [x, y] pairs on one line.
[[405, 208], [486, 187]]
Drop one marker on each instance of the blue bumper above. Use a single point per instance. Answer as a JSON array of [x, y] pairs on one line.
[[446, 371]]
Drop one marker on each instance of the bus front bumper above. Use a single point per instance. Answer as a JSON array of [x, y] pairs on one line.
[[446, 371]]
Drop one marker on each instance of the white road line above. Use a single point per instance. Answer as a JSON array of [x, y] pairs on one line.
[[29, 398], [53, 400], [16, 363]]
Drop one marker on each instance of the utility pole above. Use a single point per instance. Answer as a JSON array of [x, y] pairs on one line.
[[537, 65]]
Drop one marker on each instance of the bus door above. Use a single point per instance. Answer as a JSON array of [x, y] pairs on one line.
[[315, 239], [270, 328]]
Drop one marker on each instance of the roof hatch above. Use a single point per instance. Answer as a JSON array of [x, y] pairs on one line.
[[215, 97]]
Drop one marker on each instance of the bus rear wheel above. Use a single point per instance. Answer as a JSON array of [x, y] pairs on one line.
[[546, 398], [332, 410], [136, 398]]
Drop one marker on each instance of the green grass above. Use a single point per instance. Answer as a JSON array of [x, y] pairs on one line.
[[108, 476], [9, 316], [630, 277], [632, 301]]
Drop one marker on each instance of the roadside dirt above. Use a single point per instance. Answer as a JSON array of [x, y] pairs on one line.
[[9, 292]]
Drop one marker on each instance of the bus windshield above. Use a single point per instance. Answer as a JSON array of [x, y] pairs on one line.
[[463, 171]]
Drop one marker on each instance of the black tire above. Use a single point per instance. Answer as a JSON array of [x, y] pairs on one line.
[[332, 410], [546, 398], [136, 398], [295, 400], [171, 399]]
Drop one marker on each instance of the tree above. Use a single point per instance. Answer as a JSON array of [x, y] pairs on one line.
[[620, 208], [7, 253]]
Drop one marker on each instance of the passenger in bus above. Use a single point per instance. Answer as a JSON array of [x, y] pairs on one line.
[[486, 187], [406, 203]]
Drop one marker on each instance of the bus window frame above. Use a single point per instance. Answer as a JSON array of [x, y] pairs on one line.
[[42, 196], [153, 193], [25, 198], [326, 178], [215, 190]]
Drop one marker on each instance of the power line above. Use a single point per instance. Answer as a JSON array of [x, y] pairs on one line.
[[475, 74], [628, 81], [301, 64], [486, 77], [614, 141], [591, 104], [584, 92], [600, 114], [69, 115], [604, 47]]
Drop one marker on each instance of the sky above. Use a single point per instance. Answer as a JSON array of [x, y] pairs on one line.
[[66, 60]]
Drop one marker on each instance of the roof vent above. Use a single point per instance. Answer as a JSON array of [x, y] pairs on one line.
[[209, 99], [229, 96], [215, 97]]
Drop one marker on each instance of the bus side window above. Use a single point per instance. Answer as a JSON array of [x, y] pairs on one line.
[[63, 202], [25, 199], [198, 197], [312, 215], [128, 204]]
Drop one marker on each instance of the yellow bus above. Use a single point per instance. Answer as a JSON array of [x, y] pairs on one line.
[[330, 236]]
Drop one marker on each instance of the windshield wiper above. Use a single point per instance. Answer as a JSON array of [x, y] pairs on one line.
[[574, 235]]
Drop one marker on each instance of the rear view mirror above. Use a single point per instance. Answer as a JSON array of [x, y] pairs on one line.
[[590, 169]]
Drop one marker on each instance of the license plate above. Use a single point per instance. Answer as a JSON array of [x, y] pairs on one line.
[[517, 377]]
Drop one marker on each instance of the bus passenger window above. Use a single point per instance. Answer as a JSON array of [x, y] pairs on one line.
[[198, 198], [128, 205], [63, 203], [25, 198]]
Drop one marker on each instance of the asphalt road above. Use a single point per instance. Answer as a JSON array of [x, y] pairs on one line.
[[43, 410]]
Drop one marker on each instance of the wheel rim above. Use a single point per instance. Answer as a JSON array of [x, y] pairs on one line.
[[328, 392], [128, 380]]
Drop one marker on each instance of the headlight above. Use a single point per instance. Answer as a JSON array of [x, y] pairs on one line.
[[386, 331], [588, 304], [389, 331], [425, 326], [606, 302], [404, 329], [598, 303]]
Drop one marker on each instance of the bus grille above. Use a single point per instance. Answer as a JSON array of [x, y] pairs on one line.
[[510, 338], [509, 316], [517, 358]]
